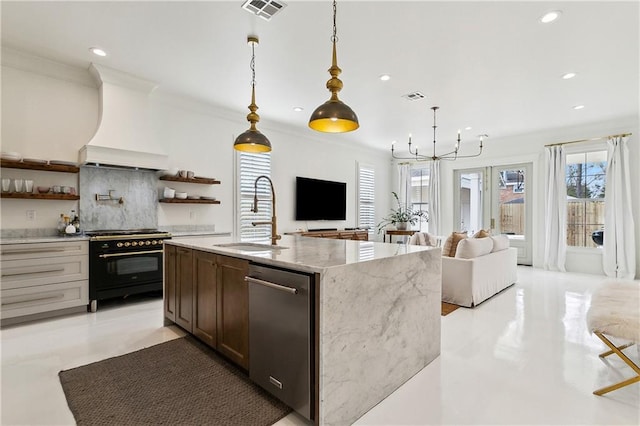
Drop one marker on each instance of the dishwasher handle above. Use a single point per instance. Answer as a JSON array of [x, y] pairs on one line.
[[271, 285]]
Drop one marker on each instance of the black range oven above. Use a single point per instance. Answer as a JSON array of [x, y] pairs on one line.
[[124, 262]]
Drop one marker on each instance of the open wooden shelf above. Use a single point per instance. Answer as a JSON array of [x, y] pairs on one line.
[[33, 196], [196, 179], [188, 201], [28, 165]]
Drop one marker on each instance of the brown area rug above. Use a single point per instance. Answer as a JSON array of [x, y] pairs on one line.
[[447, 308], [180, 382]]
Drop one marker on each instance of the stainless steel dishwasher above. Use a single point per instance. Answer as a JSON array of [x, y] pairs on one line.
[[280, 337]]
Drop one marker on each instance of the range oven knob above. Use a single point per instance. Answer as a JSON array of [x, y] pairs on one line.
[[154, 242], [127, 244], [148, 242], [134, 243], [119, 244]]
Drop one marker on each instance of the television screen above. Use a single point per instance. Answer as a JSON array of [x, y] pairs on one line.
[[320, 199]]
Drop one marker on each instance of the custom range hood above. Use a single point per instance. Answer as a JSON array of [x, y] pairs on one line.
[[123, 137]]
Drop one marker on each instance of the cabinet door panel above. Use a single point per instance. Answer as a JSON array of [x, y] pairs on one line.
[[184, 288], [204, 306], [233, 309], [170, 282]]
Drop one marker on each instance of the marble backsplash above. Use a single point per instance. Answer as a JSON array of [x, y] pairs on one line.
[[134, 201]]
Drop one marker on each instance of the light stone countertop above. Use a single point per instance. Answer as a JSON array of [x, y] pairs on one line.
[[44, 239], [305, 254]]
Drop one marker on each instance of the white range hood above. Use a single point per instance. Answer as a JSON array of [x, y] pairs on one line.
[[123, 137]]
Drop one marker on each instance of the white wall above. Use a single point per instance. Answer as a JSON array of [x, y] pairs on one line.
[[52, 116]]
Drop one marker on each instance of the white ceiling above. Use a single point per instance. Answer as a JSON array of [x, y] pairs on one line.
[[488, 65]]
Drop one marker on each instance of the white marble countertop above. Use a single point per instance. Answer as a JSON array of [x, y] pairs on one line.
[[305, 254], [50, 239]]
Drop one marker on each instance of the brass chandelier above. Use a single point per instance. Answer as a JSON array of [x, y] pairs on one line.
[[334, 116], [452, 155], [252, 140]]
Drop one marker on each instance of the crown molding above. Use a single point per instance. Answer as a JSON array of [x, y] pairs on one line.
[[28, 62]]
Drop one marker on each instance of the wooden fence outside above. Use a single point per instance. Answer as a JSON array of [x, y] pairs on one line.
[[582, 219]]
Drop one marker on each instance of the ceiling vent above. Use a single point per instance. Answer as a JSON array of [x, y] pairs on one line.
[[413, 96], [265, 9]]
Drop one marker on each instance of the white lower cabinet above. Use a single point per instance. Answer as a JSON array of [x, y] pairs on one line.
[[43, 279]]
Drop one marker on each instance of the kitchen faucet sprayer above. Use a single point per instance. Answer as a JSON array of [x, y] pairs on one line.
[[274, 234]]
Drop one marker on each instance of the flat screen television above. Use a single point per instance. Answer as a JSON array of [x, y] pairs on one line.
[[320, 199]]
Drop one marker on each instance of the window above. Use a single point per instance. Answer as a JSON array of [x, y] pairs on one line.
[[250, 167], [366, 197], [420, 190], [586, 178]]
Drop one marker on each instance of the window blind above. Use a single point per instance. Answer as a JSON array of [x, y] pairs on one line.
[[252, 166], [366, 197]]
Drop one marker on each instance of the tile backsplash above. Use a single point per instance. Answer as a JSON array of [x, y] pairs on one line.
[[137, 189]]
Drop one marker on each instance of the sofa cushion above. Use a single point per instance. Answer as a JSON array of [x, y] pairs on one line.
[[482, 234], [449, 248], [500, 242], [470, 248]]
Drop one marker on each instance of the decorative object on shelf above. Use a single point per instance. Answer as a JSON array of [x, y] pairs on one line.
[[110, 197], [252, 140], [402, 216], [334, 116], [452, 155]]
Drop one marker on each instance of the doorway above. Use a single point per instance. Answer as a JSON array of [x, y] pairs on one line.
[[496, 198]]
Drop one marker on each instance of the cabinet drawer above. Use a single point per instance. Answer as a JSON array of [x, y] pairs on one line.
[[33, 300], [42, 250], [35, 272]]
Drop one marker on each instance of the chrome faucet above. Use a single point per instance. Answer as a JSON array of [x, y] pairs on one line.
[[274, 234]]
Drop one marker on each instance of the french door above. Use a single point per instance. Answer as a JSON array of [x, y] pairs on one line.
[[496, 198], [511, 207]]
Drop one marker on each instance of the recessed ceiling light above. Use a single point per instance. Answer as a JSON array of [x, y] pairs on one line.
[[385, 77], [550, 16], [569, 75], [97, 51], [468, 128], [298, 109], [578, 107]]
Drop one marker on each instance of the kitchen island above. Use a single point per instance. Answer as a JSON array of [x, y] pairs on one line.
[[376, 318]]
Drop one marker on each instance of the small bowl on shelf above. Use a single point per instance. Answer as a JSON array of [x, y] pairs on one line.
[[181, 195], [43, 189]]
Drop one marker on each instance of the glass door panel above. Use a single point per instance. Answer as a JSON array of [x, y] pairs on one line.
[[470, 200], [511, 210]]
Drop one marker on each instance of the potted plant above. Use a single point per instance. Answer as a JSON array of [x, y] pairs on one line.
[[402, 216]]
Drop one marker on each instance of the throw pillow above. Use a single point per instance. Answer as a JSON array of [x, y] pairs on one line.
[[482, 234], [500, 242], [449, 248], [470, 248]]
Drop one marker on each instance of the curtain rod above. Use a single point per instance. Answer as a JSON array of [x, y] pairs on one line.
[[622, 135]]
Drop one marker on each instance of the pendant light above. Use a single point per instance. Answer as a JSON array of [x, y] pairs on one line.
[[252, 140], [334, 116]]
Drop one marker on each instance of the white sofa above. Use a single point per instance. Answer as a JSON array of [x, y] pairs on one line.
[[470, 281]]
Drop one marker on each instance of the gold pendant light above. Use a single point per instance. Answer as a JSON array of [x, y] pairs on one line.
[[252, 140], [334, 116]]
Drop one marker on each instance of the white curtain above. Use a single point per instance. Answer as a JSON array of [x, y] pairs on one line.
[[555, 241], [435, 214], [404, 184], [619, 255]]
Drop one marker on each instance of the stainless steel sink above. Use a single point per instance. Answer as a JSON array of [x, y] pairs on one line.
[[251, 246]]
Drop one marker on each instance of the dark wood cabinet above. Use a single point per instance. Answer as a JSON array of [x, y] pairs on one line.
[[205, 297], [170, 282], [233, 309], [184, 288]]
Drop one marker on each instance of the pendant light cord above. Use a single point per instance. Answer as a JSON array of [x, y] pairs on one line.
[[253, 65], [334, 38]]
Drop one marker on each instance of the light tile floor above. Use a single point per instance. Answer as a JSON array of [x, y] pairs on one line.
[[522, 357]]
